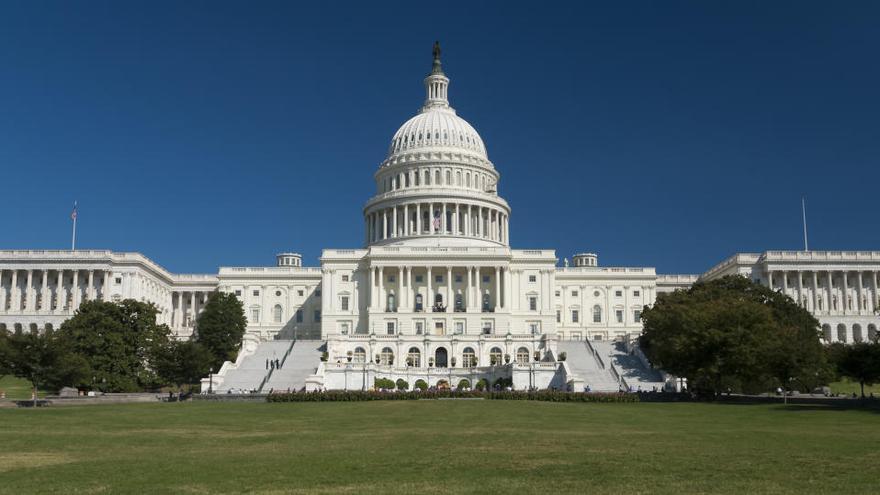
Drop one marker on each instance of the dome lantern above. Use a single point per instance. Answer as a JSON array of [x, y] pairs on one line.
[[436, 84]]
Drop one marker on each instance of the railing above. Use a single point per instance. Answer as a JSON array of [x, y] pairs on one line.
[[226, 270], [265, 380], [287, 353], [601, 269], [595, 353]]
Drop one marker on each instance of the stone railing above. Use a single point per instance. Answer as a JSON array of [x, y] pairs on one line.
[[268, 270], [599, 269], [822, 256]]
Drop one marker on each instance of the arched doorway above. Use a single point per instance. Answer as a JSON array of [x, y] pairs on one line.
[[826, 331], [857, 333], [443, 385], [441, 358]]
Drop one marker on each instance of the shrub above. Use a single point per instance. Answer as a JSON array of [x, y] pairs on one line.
[[383, 383], [539, 395], [464, 383], [562, 356], [482, 384], [402, 384], [421, 385]]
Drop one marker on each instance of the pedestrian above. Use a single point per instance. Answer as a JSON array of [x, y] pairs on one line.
[[267, 363], [277, 364]]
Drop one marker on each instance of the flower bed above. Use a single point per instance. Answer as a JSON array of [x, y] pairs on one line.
[[540, 395]]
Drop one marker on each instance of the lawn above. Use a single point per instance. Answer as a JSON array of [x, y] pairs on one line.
[[16, 388], [438, 447]]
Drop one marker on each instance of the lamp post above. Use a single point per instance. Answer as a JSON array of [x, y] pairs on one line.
[[211, 381]]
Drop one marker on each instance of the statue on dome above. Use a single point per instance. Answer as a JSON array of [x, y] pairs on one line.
[[565, 262], [436, 50]]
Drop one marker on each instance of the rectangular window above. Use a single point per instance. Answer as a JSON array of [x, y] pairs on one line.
[[118, 280], [391, 278], [317, 316], [343, 328], [558, 316], [344, 303], [534, 328], [458, 278], [299, 293], [574, 293], [533, 304], [438, 279], [557, 293], [390, 327], [459, 327], [418, 278], [345, 278], [299, 316], [485, 279], [487, 327], [420, 328], [618, 293], [256, 293], [636, 293], [533, 278], [575, 316], [238, 293], [619, 314], [255, 316], [637, 315]]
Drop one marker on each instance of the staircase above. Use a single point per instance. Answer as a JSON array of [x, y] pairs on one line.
[[632, 370], [583, 363], [304, 358], [252, 371]]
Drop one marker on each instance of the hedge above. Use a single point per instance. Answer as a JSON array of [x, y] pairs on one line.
[[538, 395]]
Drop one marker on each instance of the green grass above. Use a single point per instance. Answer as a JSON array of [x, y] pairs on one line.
[[17, 388], [438, 447], [846, 386]]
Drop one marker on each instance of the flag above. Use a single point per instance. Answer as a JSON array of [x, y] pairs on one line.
[[437, 220], [73, 213]]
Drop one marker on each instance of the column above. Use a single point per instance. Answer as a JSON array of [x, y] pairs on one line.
[[44, 292], [479, 221], [394, 221], [429, 303], [467, 220], [15, 300], [29, 292], [431, 229], [382, 306], [860, 306], [830, 287], [371, 293], [192, 308], [785, 283], [2, 292], [455, 220], [874, 297], [507, 289], [108, 285], [410, 293], [407, 228], [469, 291], [443, 220], [497, 289], [418, 219], [91, 288], [385, 223], [59, 291], [770, 279], [450, 302], [815, 292], [844, 297], [75, 289]]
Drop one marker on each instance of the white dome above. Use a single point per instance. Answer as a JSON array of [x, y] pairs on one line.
[[437, 129]]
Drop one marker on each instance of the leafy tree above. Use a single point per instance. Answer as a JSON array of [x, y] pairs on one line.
[[733, 334], [184, 363], [5, 355], [42, 360], [221, 326], [859, 362], [120, 341]]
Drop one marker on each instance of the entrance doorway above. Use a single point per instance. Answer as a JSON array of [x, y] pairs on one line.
[[440, 358]]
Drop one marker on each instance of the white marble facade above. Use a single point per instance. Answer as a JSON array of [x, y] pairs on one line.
[[435, 280]]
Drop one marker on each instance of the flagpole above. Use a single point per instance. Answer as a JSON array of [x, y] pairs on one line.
[[804, 211], [73, 240]]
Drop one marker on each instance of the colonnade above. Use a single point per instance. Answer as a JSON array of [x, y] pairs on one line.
[[51, 290], [414, 219], [471, 288], [829, 292]]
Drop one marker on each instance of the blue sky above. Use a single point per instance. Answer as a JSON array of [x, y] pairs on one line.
[[667, 134]]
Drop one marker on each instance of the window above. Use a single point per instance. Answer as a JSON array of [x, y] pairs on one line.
[[418, 278], [486, 303], [344, 303], [459, 303], [414, 357], [597, 314], [557, 293], [558, 316], [419, 304], [391, 304], [618, 293], [118, 280], [485, 279], [458, 278], [345, 278], [522, 356], [619, 315], [256, 293], [438, 328], [468, 358], [533, 303], [277, 313], [387, 356], [299, 293], [487, 328], [255, 315], [575, 317], [360, 355], [637, 293], [317, 316], [237, 292], [459, 327], [391, 278], [533, 278], [637, 315], [574, 293], [438, 279], [595, 293], [535, 328], [389, 327], [299, 316], [495, 356], [420, 328]]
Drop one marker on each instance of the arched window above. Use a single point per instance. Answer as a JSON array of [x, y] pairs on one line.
[[597, 314], [277, 312], [522, 355], [495, 356], [360, 355], [419, 304], [467, 179], [427, 178], [387, 356], [841, 333], [857, 333], [391, 304], [414, 357], [437, 178], [458, 177], [438, 300], [448, 177], [826, 332], [468, 358]]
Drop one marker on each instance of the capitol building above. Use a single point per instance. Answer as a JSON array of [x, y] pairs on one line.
[[435, 292]]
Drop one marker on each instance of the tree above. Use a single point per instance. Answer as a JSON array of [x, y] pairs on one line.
[[43, 360], [859, 362], [733, 334], [221, 327], [184, 363], [120, 341]]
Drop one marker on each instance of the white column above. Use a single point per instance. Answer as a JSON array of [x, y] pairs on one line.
[[108, 285], [830, 294], [407, 228], [90, 290], [800, 290], [431, 218], [15, 299], [382, 298], [785, 283], [29, 292], [75, 288], [770, 279], [418, 219], [192, 308], [469, 291], [429, 303], [59, 291], [394, 221], [875, 295], [44, 292], [815, 292], [467, 220], [450, 297], [385, 223], [371, 294], [497, 289], [860, 306], [443, 221], [844, 298]]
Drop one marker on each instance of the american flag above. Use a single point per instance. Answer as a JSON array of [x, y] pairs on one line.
[[437, 219], [73, 213]]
